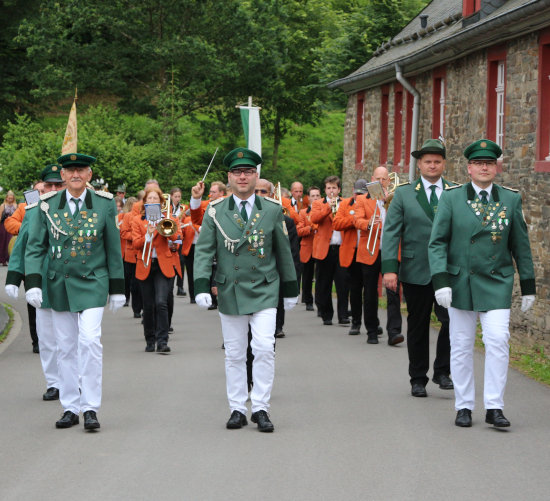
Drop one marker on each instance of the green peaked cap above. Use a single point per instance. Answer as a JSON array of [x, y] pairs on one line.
[[75, 160], [242, 157], [51, 174], [484, 148]]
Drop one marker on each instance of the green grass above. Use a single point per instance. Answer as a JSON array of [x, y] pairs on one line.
[[7, 329]]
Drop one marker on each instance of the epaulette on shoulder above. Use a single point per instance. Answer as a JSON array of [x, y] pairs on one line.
[[31, 206], [50, 194], [273, 200], [510, 189], [217, 201], [403, 184], [104, 194], [453, 187]]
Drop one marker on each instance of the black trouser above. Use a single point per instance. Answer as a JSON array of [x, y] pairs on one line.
[[135, 289], [171, 299], [189, 260], [155, 289], [31, 310], [280, 317], [371, 275], [420, 299], [308, 270], [179, 280], [329, 270]]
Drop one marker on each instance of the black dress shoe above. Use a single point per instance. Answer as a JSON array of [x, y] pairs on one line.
[[150, 347], [163, 349], [379, 330], [372, 339], [319, 314], [90, 421], [51, 394], [126, 304], [181, 292], [67, 420], [464, 418], [35, 348], [279, 333], [170, 329], [444, 381], [355, 329], [418, 390], [213, 307], [396, 339], [137, 315], [262, 419], [344, 321], [236, 421], [496, 418], [309, 307], [327, 322]]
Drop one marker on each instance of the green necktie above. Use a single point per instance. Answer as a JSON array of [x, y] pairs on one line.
[[243, 211], [433, 198], [484, 194], [77, 210]]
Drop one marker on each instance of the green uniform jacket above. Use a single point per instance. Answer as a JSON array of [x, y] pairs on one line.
[[16, 267], [250, 264], [409, 223], [85, 262], [471, 248]]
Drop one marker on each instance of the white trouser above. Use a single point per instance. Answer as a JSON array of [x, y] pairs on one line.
[[235, 339], [78, 337], [496, 333], [48, 346]]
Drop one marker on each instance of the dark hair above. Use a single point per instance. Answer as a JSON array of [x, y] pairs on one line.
[[175, 189], [332, 179], [313, 188]]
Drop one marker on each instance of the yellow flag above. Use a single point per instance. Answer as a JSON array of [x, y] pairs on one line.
[[71, 136]]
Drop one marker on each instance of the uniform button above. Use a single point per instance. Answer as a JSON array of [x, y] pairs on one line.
[[236, 253], [65, 246], [236, 267], [66, 276], [471, 272], [253, 281], [236, 281], [472, 241], [66, 261], [253, 267], [83, 276], [492, 272], [493, 257], [83, 262]]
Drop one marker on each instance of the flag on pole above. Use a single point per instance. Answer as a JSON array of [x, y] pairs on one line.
[[250, 116], [71, 137]]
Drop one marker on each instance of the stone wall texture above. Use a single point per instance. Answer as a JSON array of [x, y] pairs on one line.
[[466, 121]]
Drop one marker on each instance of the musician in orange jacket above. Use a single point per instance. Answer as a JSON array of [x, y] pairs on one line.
[[371, 264], [326, 247], [306, 231], [344, 221], [156, 275]]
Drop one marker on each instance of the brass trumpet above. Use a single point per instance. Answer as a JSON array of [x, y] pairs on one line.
[[392, 186], [165, 227]]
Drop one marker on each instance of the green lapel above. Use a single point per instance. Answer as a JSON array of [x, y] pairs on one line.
[[423, 199], [63, 217], [235, 214], [253, 223]]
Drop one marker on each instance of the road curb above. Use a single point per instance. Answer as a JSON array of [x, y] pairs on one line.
[[15, 328]]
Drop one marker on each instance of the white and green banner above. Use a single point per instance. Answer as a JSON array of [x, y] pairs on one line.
[[250, 116]]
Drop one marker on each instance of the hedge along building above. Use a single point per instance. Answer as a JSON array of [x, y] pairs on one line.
[[464, 70]]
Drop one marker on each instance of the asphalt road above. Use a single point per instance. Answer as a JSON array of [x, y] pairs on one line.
[[346, 426]]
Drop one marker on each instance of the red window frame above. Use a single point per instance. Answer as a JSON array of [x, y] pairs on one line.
[[408, 127], [542, 159], [359, 131], [397, 125], [438, 75], [384, 124], [495, 55], [470, 7]]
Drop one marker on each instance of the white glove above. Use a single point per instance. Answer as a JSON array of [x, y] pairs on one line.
[[444, 296], [12, 291], [526, 302], [290, 302], [203, 300], [116, 301], [34, 297]]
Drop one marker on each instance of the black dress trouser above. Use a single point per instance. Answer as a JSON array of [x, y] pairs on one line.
[[155, 290], [420, 300], [329, 270], [308, 270]]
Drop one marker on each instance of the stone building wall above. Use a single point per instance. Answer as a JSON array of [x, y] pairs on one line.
[[466, 121]]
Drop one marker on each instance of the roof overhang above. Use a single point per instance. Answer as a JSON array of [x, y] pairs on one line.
[[524, 19]]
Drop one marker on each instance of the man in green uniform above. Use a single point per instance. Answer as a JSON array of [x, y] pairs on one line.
[[407, 227], [478, 232], [51, 176], [75, 231], [248, 236]]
